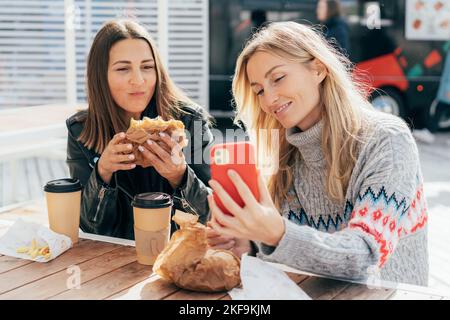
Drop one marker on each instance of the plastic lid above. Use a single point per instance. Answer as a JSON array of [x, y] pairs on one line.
[[152, 200], [63, 185]]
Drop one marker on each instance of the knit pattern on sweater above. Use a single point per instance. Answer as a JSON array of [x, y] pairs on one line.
[[382, 222]]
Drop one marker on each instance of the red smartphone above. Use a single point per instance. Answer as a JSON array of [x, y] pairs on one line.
[[239, 156]]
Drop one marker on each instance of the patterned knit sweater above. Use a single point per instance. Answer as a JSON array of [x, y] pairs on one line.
[[382, 224]]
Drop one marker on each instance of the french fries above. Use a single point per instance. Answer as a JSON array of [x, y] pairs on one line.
[[34, 250]]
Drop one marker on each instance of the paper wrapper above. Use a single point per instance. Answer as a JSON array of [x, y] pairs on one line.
[[22, 233], [262, 281], [148, 129], [190, 264]]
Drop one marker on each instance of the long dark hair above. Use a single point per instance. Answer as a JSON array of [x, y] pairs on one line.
[[104, 117]]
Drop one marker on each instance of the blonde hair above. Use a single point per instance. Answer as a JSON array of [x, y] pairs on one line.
[[340, 99]]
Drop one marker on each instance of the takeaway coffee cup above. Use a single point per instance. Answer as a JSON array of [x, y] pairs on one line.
[[63, 205], [151, 212]]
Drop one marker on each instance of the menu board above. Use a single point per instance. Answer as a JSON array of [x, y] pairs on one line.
[[427, 19]]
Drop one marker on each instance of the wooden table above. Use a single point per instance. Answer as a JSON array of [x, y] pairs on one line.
[[108, 270]]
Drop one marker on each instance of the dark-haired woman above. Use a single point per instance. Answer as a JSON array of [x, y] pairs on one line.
[[126, 79], [329, 13]]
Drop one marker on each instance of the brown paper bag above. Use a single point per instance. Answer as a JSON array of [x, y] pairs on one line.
[[187, 261]]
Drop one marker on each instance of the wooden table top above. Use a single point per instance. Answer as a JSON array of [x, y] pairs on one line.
[[108, 269]]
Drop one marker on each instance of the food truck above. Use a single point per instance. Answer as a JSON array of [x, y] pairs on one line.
[[398, 46]]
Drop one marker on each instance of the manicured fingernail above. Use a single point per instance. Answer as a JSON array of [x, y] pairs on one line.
[[149, 142], [122, 135], [162, 134], [131, 157], [129, 146], [141, 148], [133, 166]]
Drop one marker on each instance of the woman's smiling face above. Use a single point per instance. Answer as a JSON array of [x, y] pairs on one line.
[[132, 75], [287, 90]]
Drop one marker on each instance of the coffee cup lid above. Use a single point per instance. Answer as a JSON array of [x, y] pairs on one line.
[[152, 200], [63, 185]]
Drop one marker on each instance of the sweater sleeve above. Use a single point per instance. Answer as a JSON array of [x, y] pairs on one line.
[[386, 205]]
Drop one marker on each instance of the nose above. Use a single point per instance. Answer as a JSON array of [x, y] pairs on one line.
[[136, 78], [271, 97]]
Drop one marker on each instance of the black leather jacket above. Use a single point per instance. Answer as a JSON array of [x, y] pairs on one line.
[[106, 209]]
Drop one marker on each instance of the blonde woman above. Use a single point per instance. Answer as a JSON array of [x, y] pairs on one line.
[[347, 200]]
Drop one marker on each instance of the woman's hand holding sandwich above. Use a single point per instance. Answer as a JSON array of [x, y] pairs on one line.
[[170, 165]]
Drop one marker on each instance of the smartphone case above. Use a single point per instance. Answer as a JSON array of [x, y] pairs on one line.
[[239, 156]]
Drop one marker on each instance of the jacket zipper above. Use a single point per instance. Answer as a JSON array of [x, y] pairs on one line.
[[186, 204], [101, 195]]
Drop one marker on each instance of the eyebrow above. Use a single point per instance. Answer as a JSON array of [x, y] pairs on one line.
[[267, 73], [129, 62]]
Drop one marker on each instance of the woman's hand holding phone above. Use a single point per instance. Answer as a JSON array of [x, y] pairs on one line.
[[219, 241], [256, 220]]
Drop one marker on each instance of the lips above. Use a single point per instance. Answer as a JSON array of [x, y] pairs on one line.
[[282, 107], [137, 94]]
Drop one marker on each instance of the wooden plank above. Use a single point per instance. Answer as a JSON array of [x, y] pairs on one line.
[[322, 288], [156, 288], [34, 172], [82, 252], [362, 292], [57, 283], [297, 278], [44, 171], [33, 178], [152, 288], [23, 193], [58, 169], [64, 168], [109, 284], [10, 263]]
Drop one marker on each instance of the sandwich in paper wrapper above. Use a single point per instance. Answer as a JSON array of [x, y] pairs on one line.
[[32, 241], [190, 264], [140, 131]]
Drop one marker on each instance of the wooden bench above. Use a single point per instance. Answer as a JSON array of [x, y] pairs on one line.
[[28, 132]]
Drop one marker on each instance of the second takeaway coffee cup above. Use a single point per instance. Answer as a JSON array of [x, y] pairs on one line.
[[151, 212], [63, 205]]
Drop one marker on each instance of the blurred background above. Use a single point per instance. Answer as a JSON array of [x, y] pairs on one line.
[[401, 47]]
